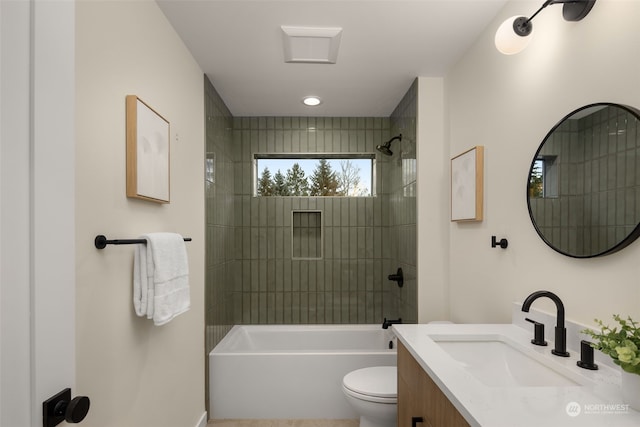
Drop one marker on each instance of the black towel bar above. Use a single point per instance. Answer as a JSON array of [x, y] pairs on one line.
[[101, 241]]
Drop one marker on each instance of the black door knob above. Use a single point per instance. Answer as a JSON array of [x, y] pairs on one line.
[[77, 409], [61, 407]]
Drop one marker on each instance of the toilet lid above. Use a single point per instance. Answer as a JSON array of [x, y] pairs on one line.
[[378, 381]]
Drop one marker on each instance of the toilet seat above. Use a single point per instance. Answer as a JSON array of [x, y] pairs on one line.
[[377, 384]]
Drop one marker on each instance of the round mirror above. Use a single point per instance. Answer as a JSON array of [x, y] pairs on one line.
[[583, 190]]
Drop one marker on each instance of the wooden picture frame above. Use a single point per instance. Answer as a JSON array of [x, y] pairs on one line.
[[467, 183], [148, 152]]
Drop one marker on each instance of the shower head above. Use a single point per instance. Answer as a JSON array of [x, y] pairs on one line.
[[386, 147]]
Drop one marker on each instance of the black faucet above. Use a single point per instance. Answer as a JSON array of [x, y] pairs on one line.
[[560, 331], [386, 323]]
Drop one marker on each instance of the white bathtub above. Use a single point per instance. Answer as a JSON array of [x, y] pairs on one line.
[[292, 371]]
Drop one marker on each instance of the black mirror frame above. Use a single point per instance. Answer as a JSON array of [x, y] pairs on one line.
[[631, 237]]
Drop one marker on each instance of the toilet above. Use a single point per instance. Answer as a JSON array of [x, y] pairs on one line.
[[373, 394]]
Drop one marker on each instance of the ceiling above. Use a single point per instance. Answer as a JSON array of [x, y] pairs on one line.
[[385, 45]]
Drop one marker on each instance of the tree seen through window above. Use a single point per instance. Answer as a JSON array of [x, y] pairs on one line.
[[328, 177]]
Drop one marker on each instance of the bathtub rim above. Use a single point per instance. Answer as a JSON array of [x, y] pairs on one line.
[[223, 347]]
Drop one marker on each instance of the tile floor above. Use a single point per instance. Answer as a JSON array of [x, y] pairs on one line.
[[283, 423]]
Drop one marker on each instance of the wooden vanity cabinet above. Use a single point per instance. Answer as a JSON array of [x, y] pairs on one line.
[[420, 401]]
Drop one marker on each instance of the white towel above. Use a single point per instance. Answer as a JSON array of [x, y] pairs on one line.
[[161, 277]]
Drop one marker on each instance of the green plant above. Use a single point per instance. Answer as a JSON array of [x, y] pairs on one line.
[[621, 342]]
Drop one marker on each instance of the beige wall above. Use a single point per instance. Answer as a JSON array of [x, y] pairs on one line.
[[136, 374], [433, 201], [508, 104]]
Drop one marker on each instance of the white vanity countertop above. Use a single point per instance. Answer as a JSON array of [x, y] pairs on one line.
[[597, 404]]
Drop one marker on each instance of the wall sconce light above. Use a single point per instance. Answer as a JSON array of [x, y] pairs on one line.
[[515, 33]]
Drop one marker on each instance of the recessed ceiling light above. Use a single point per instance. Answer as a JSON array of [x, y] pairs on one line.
[[311, 101]]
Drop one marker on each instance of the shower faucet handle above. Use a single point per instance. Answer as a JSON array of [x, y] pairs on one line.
[[398, 277]]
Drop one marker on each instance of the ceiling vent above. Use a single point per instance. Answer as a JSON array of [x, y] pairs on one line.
[[314, 45]]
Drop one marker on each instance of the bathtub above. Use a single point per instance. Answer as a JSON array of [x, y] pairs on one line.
[[292, 371]]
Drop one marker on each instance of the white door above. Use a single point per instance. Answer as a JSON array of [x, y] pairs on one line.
[[37, 242]]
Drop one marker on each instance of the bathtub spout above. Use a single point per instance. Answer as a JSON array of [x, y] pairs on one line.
[[386, 323]]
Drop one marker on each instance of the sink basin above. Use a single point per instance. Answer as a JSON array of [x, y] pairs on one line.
[[496, 361]]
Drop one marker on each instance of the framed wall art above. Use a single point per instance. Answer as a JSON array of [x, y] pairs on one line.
[[148, 171], [467, 170]]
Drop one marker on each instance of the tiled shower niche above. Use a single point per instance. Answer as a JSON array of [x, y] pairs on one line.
[[306, 234]]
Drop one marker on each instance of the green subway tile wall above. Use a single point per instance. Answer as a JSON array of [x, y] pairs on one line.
[[402, 205], [347, 284], [220, 217]]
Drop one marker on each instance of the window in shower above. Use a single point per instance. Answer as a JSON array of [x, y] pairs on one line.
[[543, 181], [306, 235], [346, 175]]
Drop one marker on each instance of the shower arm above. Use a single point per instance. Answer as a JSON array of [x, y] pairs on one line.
[[399, 137], [388, 143]]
